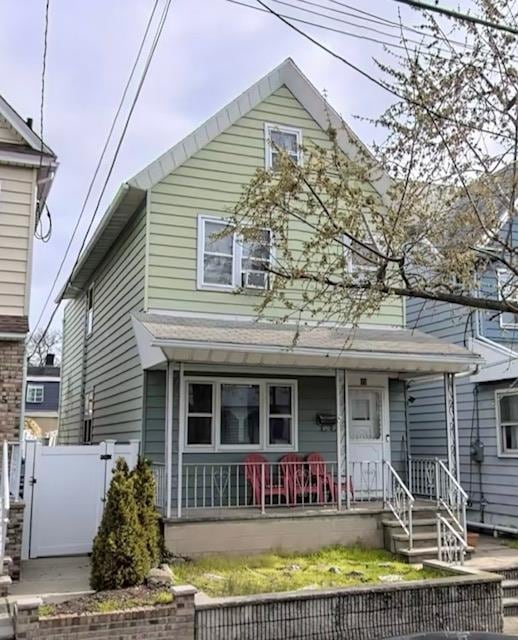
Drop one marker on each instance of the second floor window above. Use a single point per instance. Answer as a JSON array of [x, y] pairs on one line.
[[359, 258], [90, 311], [278, 139], [35, 393], [227, 262], [508, 290]]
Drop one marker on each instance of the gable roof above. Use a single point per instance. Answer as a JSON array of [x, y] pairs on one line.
[[134, 190], [21, 127], [30, 152]]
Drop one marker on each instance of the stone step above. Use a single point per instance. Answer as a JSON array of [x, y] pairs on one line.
[[510, 588], [510, 607], [420, 540], [420, 523], [416, 556]]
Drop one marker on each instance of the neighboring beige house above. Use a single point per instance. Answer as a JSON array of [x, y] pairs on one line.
[[27, 168]]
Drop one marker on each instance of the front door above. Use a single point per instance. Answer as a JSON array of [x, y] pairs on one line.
[[369, 440]]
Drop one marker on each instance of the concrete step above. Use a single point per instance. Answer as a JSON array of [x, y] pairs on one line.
[[420, 540], [6, 622], [416, 556], [510, 588], [419, 523], [510, 607]]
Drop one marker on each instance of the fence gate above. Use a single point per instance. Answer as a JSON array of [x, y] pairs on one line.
[[64, 493]]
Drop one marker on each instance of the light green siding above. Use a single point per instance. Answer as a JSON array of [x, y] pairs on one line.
[[107, 361], [210, 182], [71, 401]]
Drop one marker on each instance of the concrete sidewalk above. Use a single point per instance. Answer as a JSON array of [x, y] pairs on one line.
[[53, 578]]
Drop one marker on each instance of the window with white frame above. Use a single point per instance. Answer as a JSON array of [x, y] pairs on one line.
[[227, 262], [508, 290], [88, 417], [232, 413], [360, 258], [90, 310], [365, 414], [507, 419], [280, 139], [35, 393]]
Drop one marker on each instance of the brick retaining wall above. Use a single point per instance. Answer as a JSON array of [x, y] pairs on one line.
[[171, 622], [13, 547], [12, 353], [467, 603]]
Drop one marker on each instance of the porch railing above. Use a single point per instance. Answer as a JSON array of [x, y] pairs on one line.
[[276, 484], [450, 542], [5, 501], [159, 473], [398, 498], [421, 477], [451, 499]]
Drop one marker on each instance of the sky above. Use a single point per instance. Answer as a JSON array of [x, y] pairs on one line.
[[210, 51]]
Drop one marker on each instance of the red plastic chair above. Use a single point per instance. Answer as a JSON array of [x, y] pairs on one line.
[[253, 473], [296, 477], [323, 480]]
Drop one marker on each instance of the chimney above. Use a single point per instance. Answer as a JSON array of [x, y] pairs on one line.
[[49, 360], [29, 122]]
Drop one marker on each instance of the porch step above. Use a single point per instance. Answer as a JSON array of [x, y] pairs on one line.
[[510, 588], [420, 526], [416, 556], [6, 622], [421, 540], [510, 607]]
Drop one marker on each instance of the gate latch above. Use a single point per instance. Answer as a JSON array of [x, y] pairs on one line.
[[106, 456]]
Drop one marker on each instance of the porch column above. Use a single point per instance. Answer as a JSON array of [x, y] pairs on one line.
[[169, 436], [452, 430], [342, 437]]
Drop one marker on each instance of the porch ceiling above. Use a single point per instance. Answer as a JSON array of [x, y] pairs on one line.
[[195, 340]]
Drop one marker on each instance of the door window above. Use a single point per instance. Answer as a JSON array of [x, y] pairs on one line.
[[365, 414]]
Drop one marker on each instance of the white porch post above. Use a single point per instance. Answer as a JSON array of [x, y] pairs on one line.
[[169, 436], [452, 430], [342, 437]]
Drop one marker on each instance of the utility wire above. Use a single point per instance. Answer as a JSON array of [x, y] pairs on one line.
[[466, 17], [38, 233], [366, 16], [145, 70], [350, 34], [99, 162], [372, 79]]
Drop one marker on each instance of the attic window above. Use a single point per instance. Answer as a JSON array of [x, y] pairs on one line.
[[279, 138], [508, 290], [359, 257]]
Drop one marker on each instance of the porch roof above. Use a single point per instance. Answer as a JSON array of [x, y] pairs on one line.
[[206, 340]]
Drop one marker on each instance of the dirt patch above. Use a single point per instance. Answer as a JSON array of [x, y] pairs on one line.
[[107, 601]]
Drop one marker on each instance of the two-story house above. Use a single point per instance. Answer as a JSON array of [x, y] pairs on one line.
[[42, 398], [487, 400], [258, 440], [27, 168]]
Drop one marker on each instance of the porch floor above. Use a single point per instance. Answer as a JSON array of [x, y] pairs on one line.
[[248, 513]]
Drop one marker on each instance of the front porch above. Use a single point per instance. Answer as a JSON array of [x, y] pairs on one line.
[[262, 425]]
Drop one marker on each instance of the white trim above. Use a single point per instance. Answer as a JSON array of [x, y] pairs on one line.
[[501, 453], [31, 386], [90, 310], [236, 257], [41, 414], [168, 448], [263, 444], [43, 378], [181, 435], [268, 151], [13, 336], [504, 325], [30, 248], [21, 127]]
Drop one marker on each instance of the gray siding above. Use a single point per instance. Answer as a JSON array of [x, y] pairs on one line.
[[109, 359], [315, 394], [496, 479], [50, 397], [71, 401]]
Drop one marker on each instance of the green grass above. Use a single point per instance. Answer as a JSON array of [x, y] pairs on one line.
[[45, 610], [272, 572], [511, 542]]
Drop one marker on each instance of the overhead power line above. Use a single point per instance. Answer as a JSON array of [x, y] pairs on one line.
[[374, 80], [466, 17], [99, 164], [156, 39]]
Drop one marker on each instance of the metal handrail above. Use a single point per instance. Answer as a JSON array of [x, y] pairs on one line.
[[393, 502], [452, 478], [452, 551]]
